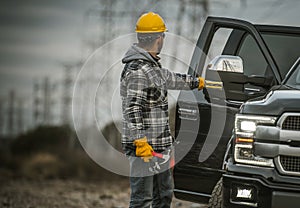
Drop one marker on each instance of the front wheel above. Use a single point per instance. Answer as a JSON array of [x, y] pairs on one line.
[[217, 194]]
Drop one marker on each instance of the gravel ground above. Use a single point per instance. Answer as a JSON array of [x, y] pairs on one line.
[[70, 194]]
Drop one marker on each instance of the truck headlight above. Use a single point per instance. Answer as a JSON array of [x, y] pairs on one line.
[[248, 126], [245, 127]]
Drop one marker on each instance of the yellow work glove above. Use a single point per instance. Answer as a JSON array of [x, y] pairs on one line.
[[143, 149], [201, 83]]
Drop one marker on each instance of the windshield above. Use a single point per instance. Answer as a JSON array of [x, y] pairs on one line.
[[294, 79], [284, 48]]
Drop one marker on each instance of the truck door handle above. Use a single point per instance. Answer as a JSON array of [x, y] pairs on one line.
[[188, 114], [252, 91]]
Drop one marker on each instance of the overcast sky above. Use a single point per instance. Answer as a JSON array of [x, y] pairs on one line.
[[35, 36]]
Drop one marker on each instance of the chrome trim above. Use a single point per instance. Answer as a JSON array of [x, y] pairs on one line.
[[283, 117], [281, 169], [288, 151], [188, 114], [234, 102], [256, 161], [252, 89], [187, 111], [289, 135]]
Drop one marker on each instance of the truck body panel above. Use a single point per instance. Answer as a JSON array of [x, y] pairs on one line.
[[207, 133]]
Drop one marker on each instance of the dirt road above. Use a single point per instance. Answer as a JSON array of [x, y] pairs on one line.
[[70, 194]]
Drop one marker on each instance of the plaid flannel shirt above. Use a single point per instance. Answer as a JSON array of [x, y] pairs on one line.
[[143, 89]]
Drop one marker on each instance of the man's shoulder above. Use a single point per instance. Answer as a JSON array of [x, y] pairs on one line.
[[138, 64], [134, 69]]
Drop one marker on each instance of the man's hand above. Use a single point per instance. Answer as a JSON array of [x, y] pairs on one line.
[[143, 149], [201, 83]]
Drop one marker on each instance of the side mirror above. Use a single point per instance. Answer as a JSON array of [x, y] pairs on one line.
[[226, 63]]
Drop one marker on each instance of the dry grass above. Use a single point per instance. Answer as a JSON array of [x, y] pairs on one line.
[[41, 166]]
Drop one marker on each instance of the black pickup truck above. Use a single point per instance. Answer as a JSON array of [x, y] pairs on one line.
[[241, 62], [263, 169]]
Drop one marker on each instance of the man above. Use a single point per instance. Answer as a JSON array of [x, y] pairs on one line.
[[143, 88]]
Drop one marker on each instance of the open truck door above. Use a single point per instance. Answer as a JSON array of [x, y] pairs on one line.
[[204, 119]]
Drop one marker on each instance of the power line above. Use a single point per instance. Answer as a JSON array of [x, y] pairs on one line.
[[47, 101], [11, 113], [1, 118], [67, 94], [20, 126], [36, 103]]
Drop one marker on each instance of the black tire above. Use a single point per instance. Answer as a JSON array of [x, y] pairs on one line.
[[217, 194]]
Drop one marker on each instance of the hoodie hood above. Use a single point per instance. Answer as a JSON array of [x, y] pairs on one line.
[[137, 53]]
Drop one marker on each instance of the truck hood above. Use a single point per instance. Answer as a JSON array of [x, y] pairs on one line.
[[274, 103]]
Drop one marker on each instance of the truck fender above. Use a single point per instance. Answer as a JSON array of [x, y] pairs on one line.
[[228, 152]]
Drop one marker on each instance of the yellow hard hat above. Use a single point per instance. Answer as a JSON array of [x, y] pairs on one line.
[[150, 23]]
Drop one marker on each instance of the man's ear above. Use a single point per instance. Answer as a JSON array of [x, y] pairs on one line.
[[158, 41]]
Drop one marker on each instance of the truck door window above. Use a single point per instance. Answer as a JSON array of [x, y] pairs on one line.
[[253, 59], [284, 48], [217, 45]]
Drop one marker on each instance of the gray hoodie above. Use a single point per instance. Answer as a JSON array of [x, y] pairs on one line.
[[137, 53]]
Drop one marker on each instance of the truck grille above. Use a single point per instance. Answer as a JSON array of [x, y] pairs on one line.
[[291, 123], [290, 164]]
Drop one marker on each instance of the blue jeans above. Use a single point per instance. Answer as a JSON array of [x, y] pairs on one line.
[[152, 190]]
